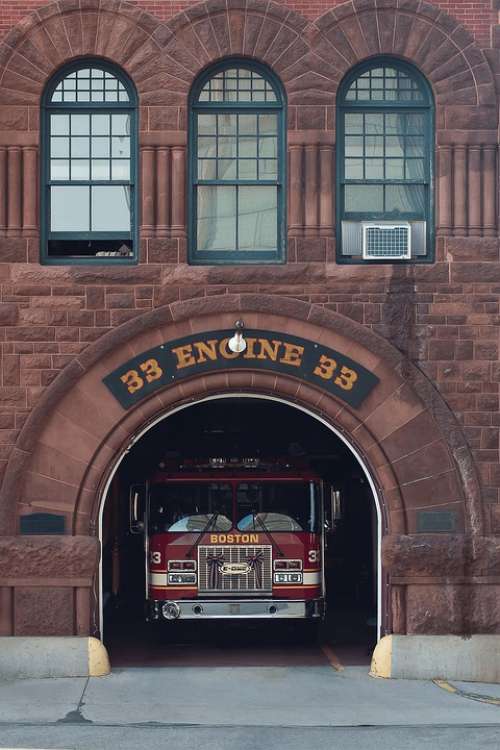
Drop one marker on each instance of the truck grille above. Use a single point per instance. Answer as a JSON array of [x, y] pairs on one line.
[[215, 574]]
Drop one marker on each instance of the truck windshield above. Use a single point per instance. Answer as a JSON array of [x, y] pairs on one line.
[[278, 506], [189, 506]]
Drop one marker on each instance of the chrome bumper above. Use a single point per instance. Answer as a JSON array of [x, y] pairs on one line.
[[271, 609]]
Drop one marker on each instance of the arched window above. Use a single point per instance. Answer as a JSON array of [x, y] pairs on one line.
[[384, 164], [89, 164], [237, 165]]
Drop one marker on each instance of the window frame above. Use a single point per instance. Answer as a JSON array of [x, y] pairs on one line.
[[237, 257], [47, 108], [427, 108]]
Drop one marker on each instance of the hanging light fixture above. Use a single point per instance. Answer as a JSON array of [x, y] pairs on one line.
[[237, 343]]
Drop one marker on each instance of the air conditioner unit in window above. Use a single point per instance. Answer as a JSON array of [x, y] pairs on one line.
[[384, 241]]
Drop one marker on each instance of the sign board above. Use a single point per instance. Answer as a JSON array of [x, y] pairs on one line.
[[193, 355], [436, 521], [42, 523]]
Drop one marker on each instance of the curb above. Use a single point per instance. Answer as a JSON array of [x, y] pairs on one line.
[[34, 657], [438, 657]]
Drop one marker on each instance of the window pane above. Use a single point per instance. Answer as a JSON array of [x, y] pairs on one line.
[[247, 169], [59, 124], [121, 147], [364, 198], [110, 208], [394, 169], [120, 124], [227, 147], [405, 199], [120, 169], [59, 147], [247, 147], [247, 124], [226, 169], [80, 169], [80, 124], [353, 124], [207, 146], [207, 124], [354, 169], [227, 124], [268, 169], [100, 124], [268, 124], [69, 208], [216, 211], [374, 124], [100, 169], [394, 146], [354, 146], [374, 145], [414, 169], [268, 147], [374, 169], [415, 146], [258, 218], [207, 169], [100, 147], [79, 147], [59, 169]]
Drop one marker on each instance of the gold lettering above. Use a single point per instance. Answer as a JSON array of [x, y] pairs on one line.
[[267, 351], [245, 538], [293, 354], [249, 352], [254, 538], [152, 370], [227, 353], [222, 538], [206, 349], [213, 538], [184, 356], [325, 368], [346, 379], [132, 380], [230, 539]]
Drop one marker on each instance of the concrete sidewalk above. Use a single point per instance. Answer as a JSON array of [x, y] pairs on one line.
[[242, 696]]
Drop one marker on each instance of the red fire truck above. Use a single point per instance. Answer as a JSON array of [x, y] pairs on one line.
[[237, 538]]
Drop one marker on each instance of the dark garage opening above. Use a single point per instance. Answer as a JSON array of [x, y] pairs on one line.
[[264, 429]]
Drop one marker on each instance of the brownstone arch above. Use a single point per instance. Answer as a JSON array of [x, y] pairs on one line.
[[405, 434]]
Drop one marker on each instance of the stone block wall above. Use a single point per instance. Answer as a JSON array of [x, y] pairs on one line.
[[444, 316]]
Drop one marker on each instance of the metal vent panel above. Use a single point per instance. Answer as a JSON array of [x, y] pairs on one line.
[[212, 579], [386, 241]]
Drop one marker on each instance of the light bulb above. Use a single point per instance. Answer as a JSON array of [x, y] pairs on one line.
[[237, 343]]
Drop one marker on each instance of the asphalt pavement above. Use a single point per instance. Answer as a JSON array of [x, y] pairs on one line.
[[247, 707]]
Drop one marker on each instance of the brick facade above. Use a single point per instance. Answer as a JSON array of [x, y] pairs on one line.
[[442, 318]]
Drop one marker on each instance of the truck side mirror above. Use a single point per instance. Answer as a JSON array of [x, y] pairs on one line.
[[335, 508], [137, 507]]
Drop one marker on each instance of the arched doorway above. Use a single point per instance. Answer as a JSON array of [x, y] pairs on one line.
[[231, 425], [402, 429]]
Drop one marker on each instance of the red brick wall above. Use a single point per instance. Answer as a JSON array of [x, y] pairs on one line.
[[476, 15]]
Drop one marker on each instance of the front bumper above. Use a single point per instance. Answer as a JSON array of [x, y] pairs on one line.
[[231, 609]]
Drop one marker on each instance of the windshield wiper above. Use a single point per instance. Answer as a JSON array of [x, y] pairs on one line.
[[211, 522], [274, 543]]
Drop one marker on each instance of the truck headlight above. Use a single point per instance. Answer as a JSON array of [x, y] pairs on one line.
[[182, 578], [288, 578]]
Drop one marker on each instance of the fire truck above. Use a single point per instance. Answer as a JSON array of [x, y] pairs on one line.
[[233, 538]]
